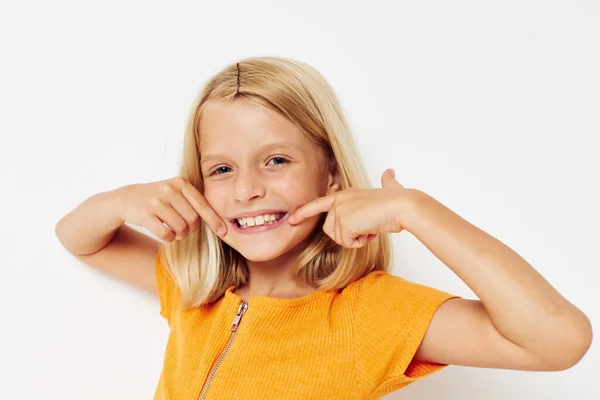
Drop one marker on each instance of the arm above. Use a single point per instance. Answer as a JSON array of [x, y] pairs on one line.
[[95, 234], [91, 225], [521, 322]]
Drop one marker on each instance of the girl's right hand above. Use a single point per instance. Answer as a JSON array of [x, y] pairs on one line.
[[174, 202]]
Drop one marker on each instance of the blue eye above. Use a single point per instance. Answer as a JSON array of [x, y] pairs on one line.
[[280, 159], [219, 170]]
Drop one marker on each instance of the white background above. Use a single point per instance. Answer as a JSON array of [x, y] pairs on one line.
[[491, 107]]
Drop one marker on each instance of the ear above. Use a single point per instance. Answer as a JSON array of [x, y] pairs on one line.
[[334, 180]]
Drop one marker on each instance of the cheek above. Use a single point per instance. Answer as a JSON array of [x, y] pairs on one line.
[[297, 189]]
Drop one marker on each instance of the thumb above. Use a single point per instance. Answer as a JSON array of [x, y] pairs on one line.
[[388, 179]]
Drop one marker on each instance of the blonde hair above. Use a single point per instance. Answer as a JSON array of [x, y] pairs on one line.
[[202, 264]]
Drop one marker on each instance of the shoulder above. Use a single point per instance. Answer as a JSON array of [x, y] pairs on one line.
[[168, 289], [380, 295], [383, 284]]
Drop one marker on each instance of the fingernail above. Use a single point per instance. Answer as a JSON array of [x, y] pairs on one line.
[[393, 172], [291, 218], [221, 231]]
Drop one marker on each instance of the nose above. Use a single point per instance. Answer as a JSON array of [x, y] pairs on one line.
[[248, 186]]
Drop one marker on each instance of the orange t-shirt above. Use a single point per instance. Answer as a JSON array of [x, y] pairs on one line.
[[353, 343]]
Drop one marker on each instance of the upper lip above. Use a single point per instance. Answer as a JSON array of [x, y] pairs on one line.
[[257, 212]]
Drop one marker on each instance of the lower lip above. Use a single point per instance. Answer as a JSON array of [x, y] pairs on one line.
[[259, 228]]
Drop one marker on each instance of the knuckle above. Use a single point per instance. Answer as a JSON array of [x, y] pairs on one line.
[[185, 185], [177, 181], [154, 203], [202, 203], [168, 188], [147, 214], [174, 184], [166, 235], [194, 221], [180, 227]]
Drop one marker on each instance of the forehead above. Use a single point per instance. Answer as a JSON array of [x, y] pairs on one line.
[[242, 122]]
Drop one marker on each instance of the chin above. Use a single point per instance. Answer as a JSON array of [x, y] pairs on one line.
[[272, 247], [261, 257], [264, 252]]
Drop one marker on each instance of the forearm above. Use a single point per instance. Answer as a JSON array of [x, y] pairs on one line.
[[91, 225], [521, 304]]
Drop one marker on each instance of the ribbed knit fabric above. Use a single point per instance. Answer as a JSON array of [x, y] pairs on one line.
[[354, 343]]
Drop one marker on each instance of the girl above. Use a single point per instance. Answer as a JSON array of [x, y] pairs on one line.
[[274, 274]]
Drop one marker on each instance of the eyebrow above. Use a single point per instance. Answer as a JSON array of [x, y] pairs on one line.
[[264, 148]]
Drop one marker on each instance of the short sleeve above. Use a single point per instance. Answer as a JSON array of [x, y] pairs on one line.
[[168, 291], [391, 318]]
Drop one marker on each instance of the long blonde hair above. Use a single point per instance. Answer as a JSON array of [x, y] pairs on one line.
[[202, 264]]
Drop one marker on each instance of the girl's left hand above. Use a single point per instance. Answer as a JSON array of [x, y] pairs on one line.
[[356, 216]]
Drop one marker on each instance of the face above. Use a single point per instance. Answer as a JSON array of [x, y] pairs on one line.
[[256, 163]]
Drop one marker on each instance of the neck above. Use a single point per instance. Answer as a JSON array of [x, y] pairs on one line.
[[274, 278]]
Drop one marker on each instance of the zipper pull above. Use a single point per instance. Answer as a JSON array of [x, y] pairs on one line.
[[236, 321]]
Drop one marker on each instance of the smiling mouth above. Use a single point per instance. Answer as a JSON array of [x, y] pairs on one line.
[[267, 219]]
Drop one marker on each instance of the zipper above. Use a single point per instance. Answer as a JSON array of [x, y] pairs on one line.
[[234, 328]]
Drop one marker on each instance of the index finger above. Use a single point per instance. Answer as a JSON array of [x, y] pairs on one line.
[[204, 210], [312, 208]]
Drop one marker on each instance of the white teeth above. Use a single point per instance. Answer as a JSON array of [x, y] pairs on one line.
[[267, 219]]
